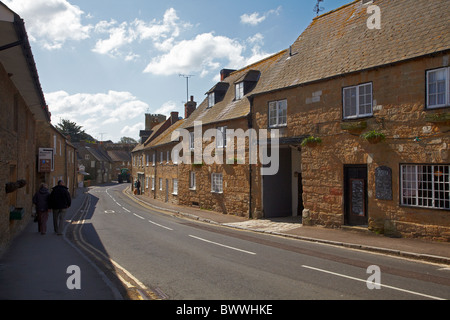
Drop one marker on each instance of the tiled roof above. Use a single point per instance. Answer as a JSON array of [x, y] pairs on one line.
[[340, 41], [229, 108], [119, 155], [166, 136]]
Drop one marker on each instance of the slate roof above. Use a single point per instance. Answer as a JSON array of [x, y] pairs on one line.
[[166, 137], [340, 42], [229, 108], [119, 155]]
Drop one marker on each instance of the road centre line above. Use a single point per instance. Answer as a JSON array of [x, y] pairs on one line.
[[382, 285], [156, 224], [126, 209], [139, 216], [222, 245]]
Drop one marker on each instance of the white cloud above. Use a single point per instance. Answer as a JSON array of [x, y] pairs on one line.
[[51, 22], [200, 54], [256, 18], [162, 34], [98, 113], [132, 130], [170, 106], [252, 19]]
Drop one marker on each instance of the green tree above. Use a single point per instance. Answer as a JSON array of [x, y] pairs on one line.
[[127, 140], [69, 128]]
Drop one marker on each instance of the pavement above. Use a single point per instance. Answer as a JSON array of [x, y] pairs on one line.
[[37, 267]]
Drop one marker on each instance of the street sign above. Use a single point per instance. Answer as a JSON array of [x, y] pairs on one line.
[[45, 160]]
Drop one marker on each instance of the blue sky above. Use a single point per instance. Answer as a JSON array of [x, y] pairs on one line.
[[105, 63]]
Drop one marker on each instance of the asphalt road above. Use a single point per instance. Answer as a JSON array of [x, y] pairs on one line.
[[181, 259]]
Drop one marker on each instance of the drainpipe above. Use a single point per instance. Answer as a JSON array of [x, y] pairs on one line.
[[250, 126]]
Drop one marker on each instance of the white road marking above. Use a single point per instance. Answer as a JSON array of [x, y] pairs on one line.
[[222, 245], [139, 216], [156, 224], [126, 209], [362, 280]]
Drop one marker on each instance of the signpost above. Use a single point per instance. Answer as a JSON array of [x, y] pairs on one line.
[[46, 163]]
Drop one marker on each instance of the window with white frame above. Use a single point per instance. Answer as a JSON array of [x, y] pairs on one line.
[[161, 157], [191, 141], [168, 157], [192, 180], [175, 186], [239, 90], [148, 159], [154, 159], [160, 184], [211, 99], [438, 88], [277, 113], [217, 183], [358, 101], [146, 182], [153, 183], [426, 186], [221, 137]]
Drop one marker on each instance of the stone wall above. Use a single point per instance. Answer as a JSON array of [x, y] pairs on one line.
[[17, 159], [236, 180], [399, 112]]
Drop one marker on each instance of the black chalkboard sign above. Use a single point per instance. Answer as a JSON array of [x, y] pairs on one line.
[[383, 183], [357, 197]]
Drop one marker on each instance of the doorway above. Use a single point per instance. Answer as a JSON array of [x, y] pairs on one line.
[[355, 193], [277, 189]]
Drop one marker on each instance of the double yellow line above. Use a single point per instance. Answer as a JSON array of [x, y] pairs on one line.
[[130, 287]]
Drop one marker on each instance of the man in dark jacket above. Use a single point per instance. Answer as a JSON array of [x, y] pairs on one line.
[[60, 201]]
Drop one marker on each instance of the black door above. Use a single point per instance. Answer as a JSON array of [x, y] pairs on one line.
[[355, 195], [277, 189]]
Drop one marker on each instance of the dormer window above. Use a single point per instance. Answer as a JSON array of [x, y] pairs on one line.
[[239, 90], [217, 93], [246, 83], [211, 99]]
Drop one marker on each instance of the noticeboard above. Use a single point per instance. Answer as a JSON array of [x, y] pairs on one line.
[[383, 183]]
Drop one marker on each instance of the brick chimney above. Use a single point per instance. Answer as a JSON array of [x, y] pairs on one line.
[[173, 117], [189, 107], [224, 73]]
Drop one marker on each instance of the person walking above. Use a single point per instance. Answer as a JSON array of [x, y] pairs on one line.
[[41, 201], [138, 186], [60, 201]]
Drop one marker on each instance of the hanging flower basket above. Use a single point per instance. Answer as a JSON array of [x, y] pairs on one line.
[[311, 142], [374, 137]]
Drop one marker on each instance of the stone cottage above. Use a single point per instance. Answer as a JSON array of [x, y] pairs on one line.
[[22, 105], [344, 82]]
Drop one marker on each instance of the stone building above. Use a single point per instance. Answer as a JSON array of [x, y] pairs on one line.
[[152, 163], [61, 157], [22, 105], [96, 162], [222, 183], [342, 82]]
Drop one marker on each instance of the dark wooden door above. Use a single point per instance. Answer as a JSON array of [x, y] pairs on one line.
[[356, 195]]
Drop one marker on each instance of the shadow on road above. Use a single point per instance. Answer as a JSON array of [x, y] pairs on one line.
[[95, 251]]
